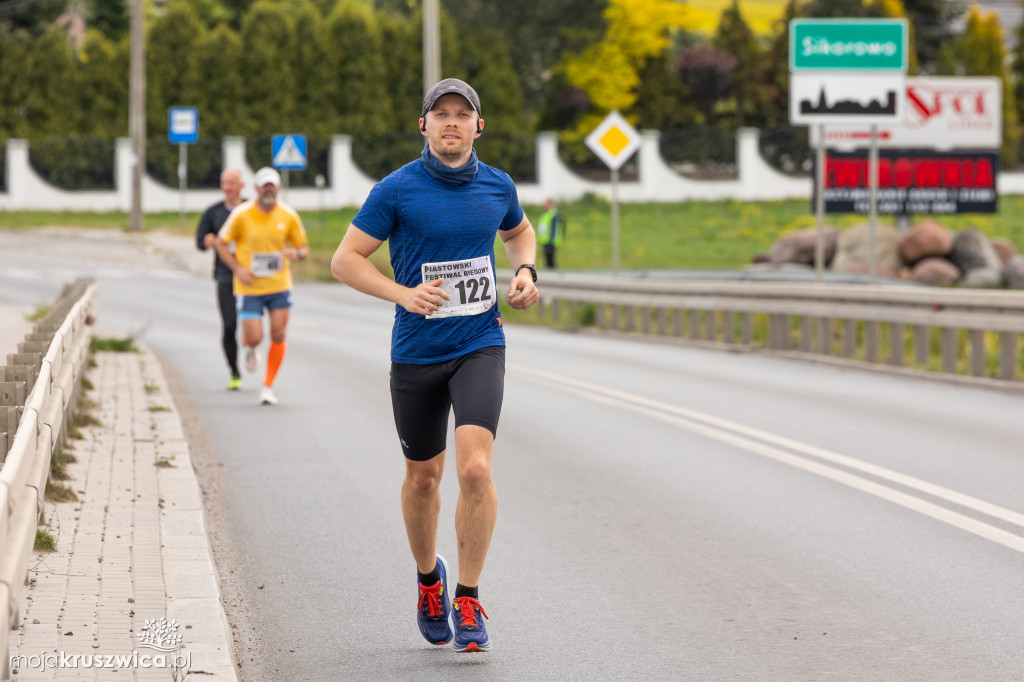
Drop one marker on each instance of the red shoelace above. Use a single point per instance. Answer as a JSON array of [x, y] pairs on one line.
[[432, 596], [468, 606]]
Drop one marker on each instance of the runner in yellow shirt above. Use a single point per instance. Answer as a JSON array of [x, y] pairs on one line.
[[267, 235]]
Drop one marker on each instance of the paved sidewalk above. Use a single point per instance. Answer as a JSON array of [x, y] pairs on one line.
[[131, 551]]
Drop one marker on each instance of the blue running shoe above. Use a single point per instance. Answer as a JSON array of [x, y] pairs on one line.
[[470, 631], [434, 611]]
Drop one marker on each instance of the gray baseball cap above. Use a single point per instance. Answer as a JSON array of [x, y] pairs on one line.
[[451, 86]]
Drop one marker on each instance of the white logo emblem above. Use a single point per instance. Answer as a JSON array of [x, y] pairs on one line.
[[160, 635]]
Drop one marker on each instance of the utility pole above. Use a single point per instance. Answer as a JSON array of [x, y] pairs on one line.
[[137, 112], [431, 44]]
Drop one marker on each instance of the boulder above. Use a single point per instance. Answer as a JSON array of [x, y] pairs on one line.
[[1005, 249], [982, 278], [852, 252], [927, 238], [798, 247], [972, 250], [1014, 273], [761, 258], [935, 271]]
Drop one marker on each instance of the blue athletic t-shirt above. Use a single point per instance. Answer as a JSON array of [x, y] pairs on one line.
[[425, 220]]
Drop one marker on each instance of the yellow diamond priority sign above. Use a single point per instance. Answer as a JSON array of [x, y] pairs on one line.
[[614, 140]]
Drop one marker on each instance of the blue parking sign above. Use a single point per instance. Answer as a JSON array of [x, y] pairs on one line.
[[288, 152], [183, 125]]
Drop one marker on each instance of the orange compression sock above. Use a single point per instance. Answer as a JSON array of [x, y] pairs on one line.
[[274, 358]]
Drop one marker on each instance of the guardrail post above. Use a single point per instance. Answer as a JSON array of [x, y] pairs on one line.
[[922, 344], [677, 322], [871, 341], [615, 317], [1007, 355], [805, 334], [555, 311], [662, 321], [694, 319], [12, 393], [896, 355], [949, 350], [849, 348], [710, 325], [34, 359], [746, 328], [645, 319], [825, 335], [729, 327], [599, 316], [977, 340]]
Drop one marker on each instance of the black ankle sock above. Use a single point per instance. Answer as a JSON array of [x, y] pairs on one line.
[[429, 579], [463, 591]]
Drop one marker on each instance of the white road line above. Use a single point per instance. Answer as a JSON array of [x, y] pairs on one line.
[[719, 429]]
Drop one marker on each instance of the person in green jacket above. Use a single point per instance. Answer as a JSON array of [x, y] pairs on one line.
[[551, 232]]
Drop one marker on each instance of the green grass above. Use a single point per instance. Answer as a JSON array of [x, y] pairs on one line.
[[44, 542], [713, 235], [115, 345], [41, 310], [685, 235]]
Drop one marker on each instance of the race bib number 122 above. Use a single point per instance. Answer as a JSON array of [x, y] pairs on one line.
[[469, 283]]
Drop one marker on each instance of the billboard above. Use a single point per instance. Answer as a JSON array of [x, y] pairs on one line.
[[939, 113], [912, 182]]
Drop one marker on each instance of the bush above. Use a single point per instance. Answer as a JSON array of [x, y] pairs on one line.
[[74, 162], [205, 162]]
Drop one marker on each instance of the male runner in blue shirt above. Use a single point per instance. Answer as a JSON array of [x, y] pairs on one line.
[[440, 215]]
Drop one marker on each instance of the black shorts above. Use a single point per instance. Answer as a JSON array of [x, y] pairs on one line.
[[422, 395]]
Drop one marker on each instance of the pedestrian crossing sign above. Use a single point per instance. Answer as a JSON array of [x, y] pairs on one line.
[[288, 152]]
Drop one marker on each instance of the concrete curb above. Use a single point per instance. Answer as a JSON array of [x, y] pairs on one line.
[[132, 550]]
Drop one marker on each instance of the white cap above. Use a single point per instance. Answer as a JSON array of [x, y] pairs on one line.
[[267, 176]]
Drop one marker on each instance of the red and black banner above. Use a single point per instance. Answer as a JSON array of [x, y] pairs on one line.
[[911, 182]]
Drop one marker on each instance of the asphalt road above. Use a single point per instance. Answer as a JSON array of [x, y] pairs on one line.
[[665, 513]]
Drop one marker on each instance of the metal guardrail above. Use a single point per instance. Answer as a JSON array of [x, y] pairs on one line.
[[38, 390], [974, 333]]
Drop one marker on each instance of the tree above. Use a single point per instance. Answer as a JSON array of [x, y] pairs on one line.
[[219, 65], [109, 17], [663, 101], [609, 71], [268, 83], [14, 86], [171, 70], [313, 112], [777, 78], [541, 31], [102, 87], [932, 22], [707, 72], [981, 54], [49, 103], [404, 67], [356, 63], [35, 18], [748, 79]]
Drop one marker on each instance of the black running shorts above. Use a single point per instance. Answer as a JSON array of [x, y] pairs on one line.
[[422, 395]]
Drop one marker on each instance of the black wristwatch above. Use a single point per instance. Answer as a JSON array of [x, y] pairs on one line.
[[530, 266]]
